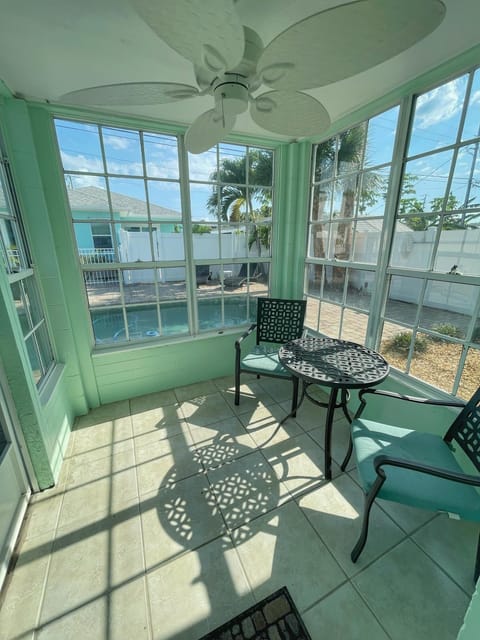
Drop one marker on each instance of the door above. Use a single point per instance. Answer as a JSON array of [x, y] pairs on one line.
[[14, 485]]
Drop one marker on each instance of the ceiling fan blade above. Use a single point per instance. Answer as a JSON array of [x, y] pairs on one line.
[[207, 130], [131, 93], [206, 33], [342, 41], [292, 113]]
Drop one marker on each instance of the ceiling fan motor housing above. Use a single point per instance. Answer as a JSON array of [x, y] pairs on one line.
[[231, 97]]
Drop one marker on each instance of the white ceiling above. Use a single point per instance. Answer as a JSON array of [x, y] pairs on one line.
[[51, 47]]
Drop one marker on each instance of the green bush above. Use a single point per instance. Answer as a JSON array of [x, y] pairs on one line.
[[446, 329], [401, 342]]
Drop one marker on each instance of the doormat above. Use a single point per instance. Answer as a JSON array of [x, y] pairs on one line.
[[274, 617]]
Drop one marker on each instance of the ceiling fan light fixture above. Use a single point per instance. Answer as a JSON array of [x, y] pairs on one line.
[[231, 98]]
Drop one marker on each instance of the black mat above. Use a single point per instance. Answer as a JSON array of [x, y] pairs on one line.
[[274, 617]]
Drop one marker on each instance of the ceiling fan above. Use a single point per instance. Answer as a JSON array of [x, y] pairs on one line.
[[231, 63]]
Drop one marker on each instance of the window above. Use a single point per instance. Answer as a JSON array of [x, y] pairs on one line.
[[166, 251], [349, 187], [15, 260], [425, 318]]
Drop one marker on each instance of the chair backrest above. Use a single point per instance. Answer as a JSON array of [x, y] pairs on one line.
[[279, 320], [465, 429]]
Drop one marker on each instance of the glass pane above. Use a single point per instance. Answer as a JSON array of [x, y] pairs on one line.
[[107, 325], [381, 137], [129, 202], [360, 288], [322, 198], [334, 284], [325, 160], [11, 246], [314, 279], [260, 167], [206, 241], [312, 313], [437, 362], [209, 313], [341, 238], [367, 240], [171, 283], [123, 153], [437, 116], [259, 240], [403, 298], [354, 326], [233, 164], [94, 248], [448, 307], [470, 380], [412, 249], [346, 197], [471, 126], [32, 299], [103, 288], [351, 148], [79, 145], [373, 192], [424, 184], [165, 202], [87, 197], [235, 311], [233, 203], [465, 188], [458, 248], [395, 344], [330, 317], [34, 358], [44, 347], [135, 242], [203, 202], [260, 279], [21, 306], [203, 166], [142, 323], [139, 285], [161, 155], [318, 240], [174, 318], [233, 241]]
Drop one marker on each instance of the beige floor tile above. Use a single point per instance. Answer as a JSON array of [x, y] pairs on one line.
[[298, 463], [266, 430], [279, 550], [42, 514], [453, 545], [157, 424], [420, 602], [152, 401], [204, 410], [197, 592], [253, 396], [196, 390], [229, 434], [335, 510], [340, 440], [178, 519], [99, 439], [343, 614], [261, 413], [165, 462], [280, 389], [245, 489], [91, 615], [23, 590]]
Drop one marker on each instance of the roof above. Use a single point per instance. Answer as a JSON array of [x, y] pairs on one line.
[[96, 199]]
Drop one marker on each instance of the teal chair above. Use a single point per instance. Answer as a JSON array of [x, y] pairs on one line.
[[415, 468], [278, 322]]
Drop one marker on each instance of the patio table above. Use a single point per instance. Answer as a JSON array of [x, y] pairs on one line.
[[337, 364]]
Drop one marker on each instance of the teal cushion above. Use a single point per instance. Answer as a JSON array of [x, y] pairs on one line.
[[412, 487], [266, 363]]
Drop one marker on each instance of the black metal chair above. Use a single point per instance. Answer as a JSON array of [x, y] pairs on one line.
[[416, 468], [278, 322]]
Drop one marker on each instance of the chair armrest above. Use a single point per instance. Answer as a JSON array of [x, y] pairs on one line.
[[384, 460], [400, 396], [239, 341]]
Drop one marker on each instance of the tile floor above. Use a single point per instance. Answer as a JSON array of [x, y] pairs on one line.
[[177, 510]]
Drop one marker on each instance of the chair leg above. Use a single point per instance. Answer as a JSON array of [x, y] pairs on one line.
[[348, 455], [237, 386], [477, 562], [369, 500], [294, 398]]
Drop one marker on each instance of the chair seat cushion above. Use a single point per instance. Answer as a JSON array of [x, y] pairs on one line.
[[266, 363], [412, 487]]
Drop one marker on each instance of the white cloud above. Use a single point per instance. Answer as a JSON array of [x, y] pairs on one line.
[[440, 104], [117, 142], [80, 162]]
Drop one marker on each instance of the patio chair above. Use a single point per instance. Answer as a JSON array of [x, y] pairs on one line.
[[233, 282], [278, 321], [419, 469]]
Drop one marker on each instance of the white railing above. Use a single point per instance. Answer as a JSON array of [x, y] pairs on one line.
[[96, 256]]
